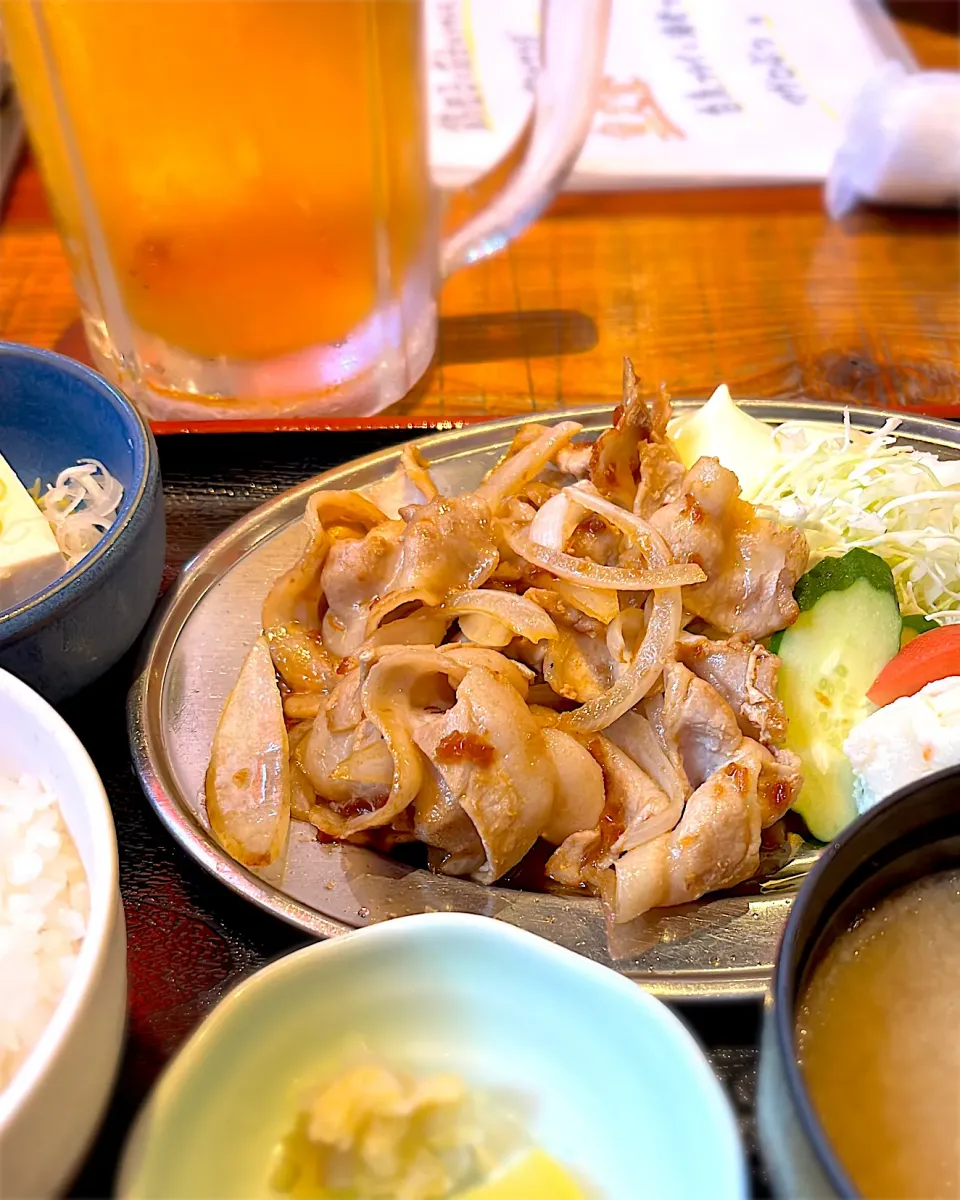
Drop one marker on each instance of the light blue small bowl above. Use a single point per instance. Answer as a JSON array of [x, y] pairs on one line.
[[53, 411], [616, 1088]]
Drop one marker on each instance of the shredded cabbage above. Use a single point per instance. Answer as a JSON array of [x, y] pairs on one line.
[[81, 506], [865, 489]]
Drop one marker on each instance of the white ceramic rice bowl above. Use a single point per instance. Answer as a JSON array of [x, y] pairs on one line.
[[51, 1108]]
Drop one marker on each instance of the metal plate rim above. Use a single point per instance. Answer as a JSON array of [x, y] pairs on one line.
[[145, 698]]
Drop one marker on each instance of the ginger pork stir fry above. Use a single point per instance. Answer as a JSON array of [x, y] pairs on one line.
[[569, 653]]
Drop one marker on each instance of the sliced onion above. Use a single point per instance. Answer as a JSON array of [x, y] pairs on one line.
[[303, 706], [663, 629], [510, 475], [342, 508], [578, 666], [296, 598], [418, 472], [677, 575], [543, 700], [302, 796], [555, 522], [425, 627], [385, 704], [391, 602], [568, 864], [370, 764], [454, 660], [345, 707], [616, 646], [516, 614], [506, 669], [585, 571], [656, 550], [81, 506], [343, 635], [247, 785], [485, 631], [598, 603], [624, 632], [394, 492]]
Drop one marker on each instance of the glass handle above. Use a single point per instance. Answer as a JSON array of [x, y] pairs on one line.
[[517, 189]]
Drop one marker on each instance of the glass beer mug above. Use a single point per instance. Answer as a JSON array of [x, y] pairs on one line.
[[243, 189]]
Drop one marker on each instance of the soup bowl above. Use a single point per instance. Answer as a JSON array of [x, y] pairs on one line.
[[910, 836]]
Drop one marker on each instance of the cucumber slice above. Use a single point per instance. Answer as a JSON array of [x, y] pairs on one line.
[[847, 631]]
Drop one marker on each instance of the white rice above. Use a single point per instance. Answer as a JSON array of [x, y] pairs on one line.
[[44, 905]]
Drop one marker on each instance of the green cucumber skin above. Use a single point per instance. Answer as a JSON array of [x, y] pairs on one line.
[[837, 574], [848, 630]]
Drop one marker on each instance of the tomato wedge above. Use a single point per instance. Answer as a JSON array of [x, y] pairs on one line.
[[930, 656]]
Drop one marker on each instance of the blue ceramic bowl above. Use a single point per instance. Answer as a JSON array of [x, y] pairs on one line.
[[52, 413]]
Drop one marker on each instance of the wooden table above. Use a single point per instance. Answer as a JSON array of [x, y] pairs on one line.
[[752, 286]]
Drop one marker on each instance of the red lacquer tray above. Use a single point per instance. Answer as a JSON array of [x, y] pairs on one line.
[[836, 377]]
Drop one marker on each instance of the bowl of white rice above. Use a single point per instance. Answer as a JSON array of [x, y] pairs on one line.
[[62, 947]]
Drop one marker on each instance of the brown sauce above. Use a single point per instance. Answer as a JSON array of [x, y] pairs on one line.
[[465, 747], [359, 806], [878, 1038]]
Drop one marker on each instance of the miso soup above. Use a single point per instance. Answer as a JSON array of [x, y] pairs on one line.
[[878, 1038]]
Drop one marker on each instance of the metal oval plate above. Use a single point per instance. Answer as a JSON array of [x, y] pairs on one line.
[[721, 946]]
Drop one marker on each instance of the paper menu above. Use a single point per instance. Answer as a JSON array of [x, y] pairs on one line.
[[695, 91]]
